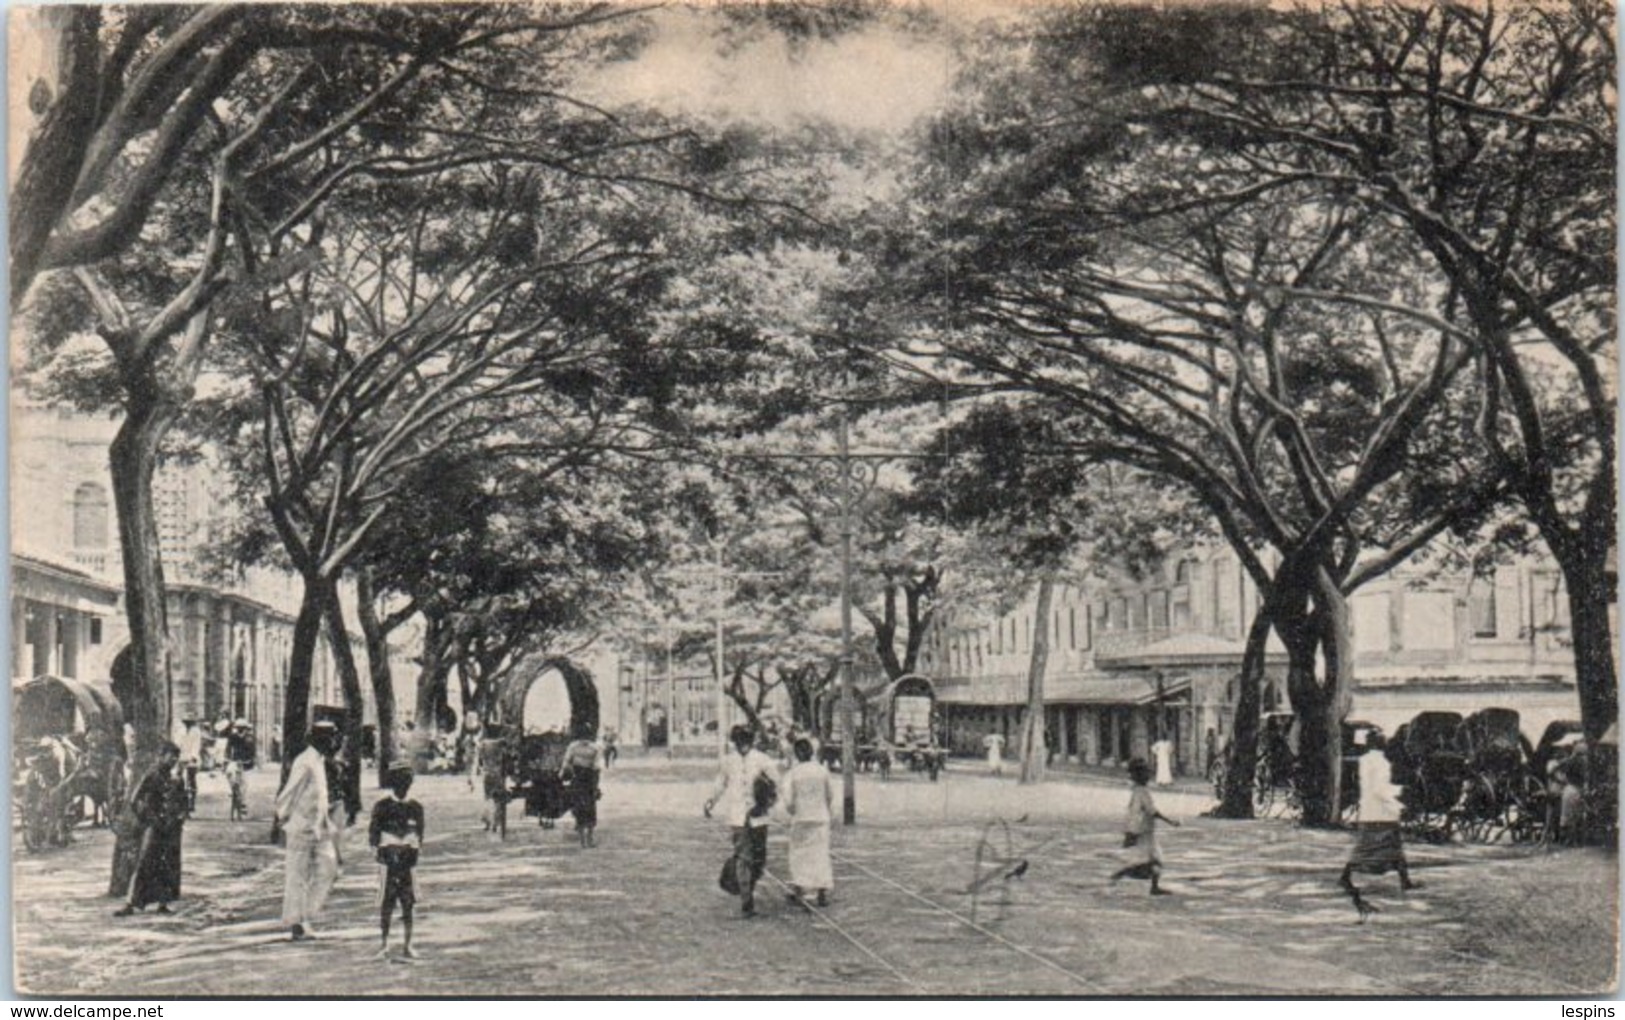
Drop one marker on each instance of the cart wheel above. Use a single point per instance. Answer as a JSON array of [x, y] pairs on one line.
[[31, 835], [1526, 809], [1263, 789], [1263, 799]]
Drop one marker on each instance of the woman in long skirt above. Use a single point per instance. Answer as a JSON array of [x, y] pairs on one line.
[[809, 799], [1378, 847], [160, 805]]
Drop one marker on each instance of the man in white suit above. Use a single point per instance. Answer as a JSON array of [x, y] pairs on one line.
[[305, 812]]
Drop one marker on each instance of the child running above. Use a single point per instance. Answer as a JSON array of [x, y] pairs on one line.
[[396, 833], [1140, 831]]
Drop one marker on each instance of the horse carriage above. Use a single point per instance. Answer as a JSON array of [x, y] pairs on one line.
[[898, 726], [539, 774], [68, 757]]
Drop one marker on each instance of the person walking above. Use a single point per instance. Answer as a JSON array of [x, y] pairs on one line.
[[809, 799], [1162, 752], [159, 805], [307, 818], [994, 743], [191, 752], [1140, 831], [746, 786], [396, 834], [1378, 847], [494, 769], [580, 773]]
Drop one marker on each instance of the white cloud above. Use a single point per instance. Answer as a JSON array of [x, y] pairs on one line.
[[872, 79]]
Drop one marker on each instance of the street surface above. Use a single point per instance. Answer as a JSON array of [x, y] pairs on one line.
[[1256, 910]]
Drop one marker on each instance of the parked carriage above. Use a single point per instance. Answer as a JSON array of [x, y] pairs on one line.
[[68, 755], [1429, 767], [1565, 755]]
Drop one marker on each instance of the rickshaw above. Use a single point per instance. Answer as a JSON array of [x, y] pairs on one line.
[[1275, 791], [1501, 794], [1430, 767]]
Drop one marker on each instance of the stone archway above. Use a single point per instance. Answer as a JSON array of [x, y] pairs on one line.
[[578, 684]]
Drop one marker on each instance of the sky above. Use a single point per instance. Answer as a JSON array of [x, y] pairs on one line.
[[876, 79]]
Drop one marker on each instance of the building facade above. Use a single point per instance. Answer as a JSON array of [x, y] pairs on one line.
[[1132, 658], [230, 644]]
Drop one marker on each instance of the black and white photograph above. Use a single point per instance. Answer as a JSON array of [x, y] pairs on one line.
[[809, 499]]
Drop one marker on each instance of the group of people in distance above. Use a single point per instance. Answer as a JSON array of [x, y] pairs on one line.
[[748, 787], [572, 787]]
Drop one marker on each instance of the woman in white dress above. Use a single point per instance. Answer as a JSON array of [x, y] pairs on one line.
[[1162, 751], [808, 800], [995, 753]]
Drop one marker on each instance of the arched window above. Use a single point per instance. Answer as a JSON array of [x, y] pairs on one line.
[[90, 516], [1481, 605]]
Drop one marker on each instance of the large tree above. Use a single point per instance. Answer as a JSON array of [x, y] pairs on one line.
[[1487, 137], [1117, 271], [184, 151]]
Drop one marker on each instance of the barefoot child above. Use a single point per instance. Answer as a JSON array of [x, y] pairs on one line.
[[397, 834], [234, 782], [1140, 831]]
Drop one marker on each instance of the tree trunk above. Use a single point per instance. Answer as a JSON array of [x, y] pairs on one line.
[[736, 693], [338, 635], [430, 690], [1337, 645], [378, 672], [307, 628], [132, 457], [1243, 757], [1590, 593], [1309, 712], [1034, 752]]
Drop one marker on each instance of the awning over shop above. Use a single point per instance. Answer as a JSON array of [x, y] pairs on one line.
[[1189, 650], [1064, 689], [1111, 689]]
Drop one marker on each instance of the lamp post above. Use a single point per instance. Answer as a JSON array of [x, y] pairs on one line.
[[849, 732]]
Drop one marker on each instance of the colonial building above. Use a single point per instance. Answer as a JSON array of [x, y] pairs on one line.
[[1134, 656], [229, 643]]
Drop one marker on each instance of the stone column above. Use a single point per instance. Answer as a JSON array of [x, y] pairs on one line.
[[51, 664], [22, 652]]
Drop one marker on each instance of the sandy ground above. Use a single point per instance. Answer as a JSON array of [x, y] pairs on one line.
[[922, 907]]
